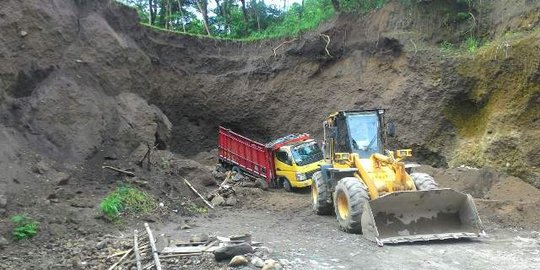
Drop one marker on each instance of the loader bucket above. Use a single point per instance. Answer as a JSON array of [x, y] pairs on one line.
[[410, 216]]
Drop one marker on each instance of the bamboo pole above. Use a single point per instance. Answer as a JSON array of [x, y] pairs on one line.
[[153, 245]]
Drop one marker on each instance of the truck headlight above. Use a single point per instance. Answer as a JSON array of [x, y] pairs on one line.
[[301, 176]]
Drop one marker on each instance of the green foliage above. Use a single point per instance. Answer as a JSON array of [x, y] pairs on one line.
[[126, 199], [446, 46], [193, 208], [25, 227], [471, 44]]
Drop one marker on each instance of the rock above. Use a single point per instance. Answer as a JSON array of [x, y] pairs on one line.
[[161, 242], [258, 262], [230, 251], [218, 175], [24, 33], [3, 201], [62, 179], [103, 244], [271, 265], [519, 207], [231, 201], [200, 237], [238, 260], [3, 242], [263, 252], [40, 167], [218, 200]]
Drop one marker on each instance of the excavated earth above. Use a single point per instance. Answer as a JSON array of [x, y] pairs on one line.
[[83, 85]]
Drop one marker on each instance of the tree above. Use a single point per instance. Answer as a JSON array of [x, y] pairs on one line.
[[203, 8]]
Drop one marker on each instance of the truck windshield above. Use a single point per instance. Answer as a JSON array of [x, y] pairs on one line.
[[364, 128], [306, 153]]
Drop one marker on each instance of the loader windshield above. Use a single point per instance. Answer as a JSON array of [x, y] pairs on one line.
[[306, 153], [364, 133]]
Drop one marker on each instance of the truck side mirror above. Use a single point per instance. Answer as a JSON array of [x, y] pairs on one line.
[[391, 129]]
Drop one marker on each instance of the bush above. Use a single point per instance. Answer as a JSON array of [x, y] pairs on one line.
[[25, 227], [126, 199]]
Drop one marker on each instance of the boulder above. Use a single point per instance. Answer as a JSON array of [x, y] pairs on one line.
[[238, 260], [256, 261], [271, 265], [62, 179], [200, 237], [218, 200], [230, 251], [231, 201]]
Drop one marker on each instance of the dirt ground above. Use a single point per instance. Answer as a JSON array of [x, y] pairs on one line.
[[285, 224]]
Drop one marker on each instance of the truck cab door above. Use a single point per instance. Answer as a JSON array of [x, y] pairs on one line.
[[284, 165]]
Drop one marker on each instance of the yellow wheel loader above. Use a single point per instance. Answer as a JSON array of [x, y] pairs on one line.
[[375, 194]]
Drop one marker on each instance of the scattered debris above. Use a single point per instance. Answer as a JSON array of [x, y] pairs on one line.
[[128, 173]]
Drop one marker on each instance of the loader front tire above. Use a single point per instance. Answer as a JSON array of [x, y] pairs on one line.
[[424, 181], [349, 199], [320, 196]]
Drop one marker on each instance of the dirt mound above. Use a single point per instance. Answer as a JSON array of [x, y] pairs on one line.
[[502, 200]]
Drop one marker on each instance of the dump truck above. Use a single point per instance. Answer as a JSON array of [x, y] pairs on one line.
[[287, 162], [378, 194]]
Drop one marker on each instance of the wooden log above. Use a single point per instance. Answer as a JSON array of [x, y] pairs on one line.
[[128, 173], [153, 245], [182, 249], [121, 259], [198, 194], [136, 250]]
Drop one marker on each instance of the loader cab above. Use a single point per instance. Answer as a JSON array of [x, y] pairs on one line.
[[354, 132]]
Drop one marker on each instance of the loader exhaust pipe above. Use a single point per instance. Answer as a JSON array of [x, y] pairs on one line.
[[410, 216]]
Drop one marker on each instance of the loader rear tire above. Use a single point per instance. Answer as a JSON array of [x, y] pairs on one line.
[[320, 196], [424, 181], [349, 199]]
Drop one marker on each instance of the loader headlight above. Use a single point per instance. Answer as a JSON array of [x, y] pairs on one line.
[[301, 176]]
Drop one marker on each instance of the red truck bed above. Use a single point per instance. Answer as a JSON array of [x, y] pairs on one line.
[[251, 156]]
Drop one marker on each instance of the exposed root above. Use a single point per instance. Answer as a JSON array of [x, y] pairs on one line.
[[327, 39], [283, 43]]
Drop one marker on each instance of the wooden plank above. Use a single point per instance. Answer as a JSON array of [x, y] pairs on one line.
[[131, 174], [153, 245], [121, 259], [136, 250], [183, 249], [196, 192]]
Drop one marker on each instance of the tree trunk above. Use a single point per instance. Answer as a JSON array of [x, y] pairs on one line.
[[335, 3], [203, 8], [181, 16], [152, 13]]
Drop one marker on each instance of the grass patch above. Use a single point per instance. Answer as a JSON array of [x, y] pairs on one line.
[[126, 200], [25, 227], [471, 44], [446, 46], [195, 209]]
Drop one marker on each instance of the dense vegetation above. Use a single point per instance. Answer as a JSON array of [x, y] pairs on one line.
[[244, 18], [126, 199], [259, 19]]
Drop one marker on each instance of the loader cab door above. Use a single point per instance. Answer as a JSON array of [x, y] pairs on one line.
[[364, 133]]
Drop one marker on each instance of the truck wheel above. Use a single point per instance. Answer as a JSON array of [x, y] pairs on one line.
[[424, 181], [349, 199], [320, 196], [286, 185]]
